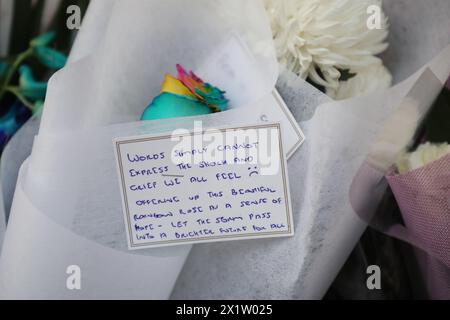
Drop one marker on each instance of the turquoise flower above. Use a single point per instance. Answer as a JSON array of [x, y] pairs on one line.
[[29, 87], [49, 57], [43, 40], [20, 101], [168, 105], [3, 69], [37, 107]]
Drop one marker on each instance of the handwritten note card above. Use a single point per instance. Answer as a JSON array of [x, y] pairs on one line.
[[204, 186]]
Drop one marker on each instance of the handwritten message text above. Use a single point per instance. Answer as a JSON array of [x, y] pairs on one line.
[[168, 200]]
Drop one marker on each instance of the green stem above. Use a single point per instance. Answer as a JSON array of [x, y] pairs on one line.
[[20, 58], [15, 91]]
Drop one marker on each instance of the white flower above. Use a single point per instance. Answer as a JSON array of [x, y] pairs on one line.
[[325, 36], [366, 80], [425, 154]]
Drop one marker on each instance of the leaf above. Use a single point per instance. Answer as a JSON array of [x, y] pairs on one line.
[[51, 58]]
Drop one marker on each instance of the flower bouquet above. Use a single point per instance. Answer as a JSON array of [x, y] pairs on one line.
[[421, 184], [311, 53], [20, 100]]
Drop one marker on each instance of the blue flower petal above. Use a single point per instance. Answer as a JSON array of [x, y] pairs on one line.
[[51, 58], [43, 40]]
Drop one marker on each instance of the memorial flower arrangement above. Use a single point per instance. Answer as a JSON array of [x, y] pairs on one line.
[[325, 42], [21, 94], [420, 182], [328, 43]]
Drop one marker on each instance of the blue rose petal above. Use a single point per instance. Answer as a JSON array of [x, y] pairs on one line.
[[30, 88], [51, 58]]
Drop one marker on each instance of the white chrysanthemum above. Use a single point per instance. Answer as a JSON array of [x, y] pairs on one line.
[[366, 80], [425, 154], [325, 35]]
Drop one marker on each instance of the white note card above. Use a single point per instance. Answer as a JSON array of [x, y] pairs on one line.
[[211, 185]]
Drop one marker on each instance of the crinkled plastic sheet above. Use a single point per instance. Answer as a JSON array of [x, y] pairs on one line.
[[67, 206]]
